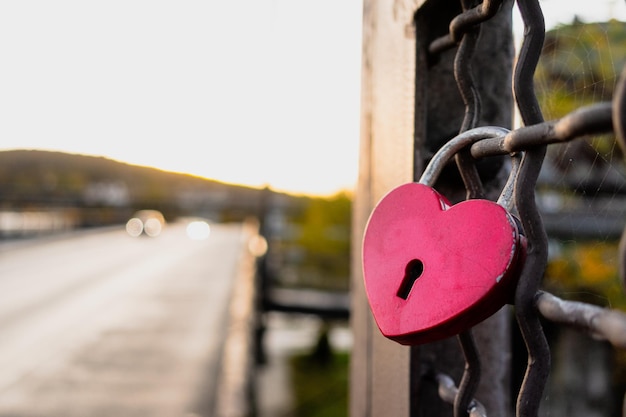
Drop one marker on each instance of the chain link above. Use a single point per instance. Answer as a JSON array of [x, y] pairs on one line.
[[527, 145]]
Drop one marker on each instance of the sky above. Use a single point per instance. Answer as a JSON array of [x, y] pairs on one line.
[[563, 11], [253, 92]]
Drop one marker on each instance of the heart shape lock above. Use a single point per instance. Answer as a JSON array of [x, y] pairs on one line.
[[433, 270]]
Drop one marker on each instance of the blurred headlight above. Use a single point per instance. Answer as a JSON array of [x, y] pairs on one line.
[[257, 245], [198, 230], [134, 227], [152, 227], [149, 222]]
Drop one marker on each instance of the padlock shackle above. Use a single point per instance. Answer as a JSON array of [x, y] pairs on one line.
[[507, 196], [453, 146]]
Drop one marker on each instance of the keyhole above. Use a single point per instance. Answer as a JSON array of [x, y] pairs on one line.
[[412, 272]]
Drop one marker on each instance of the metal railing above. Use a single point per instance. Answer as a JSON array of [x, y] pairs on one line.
[[530, 143]]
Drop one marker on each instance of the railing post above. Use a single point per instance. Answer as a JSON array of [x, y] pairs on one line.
[[410, 107]]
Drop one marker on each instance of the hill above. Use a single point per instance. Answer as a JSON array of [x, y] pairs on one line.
[[33, 179]]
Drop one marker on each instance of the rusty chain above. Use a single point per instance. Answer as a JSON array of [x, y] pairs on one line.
[[528, 145]]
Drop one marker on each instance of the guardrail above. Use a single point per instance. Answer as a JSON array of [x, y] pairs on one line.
[[325, 304], [235, 384]]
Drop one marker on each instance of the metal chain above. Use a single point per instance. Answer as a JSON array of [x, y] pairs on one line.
[[528, 147]]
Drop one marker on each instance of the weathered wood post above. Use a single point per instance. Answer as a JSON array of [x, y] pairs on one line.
[[410, 106]]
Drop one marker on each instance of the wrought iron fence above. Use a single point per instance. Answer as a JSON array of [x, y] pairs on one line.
[[529, 144]]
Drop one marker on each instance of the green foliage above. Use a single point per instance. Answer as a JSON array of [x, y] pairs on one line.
[[580, 65], [587, 271], [323, 241], [320, 382], [325, 229]]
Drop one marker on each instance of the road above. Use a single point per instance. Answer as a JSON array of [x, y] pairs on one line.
[[102, 324]]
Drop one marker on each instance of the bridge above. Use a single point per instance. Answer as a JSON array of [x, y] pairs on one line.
[[99, 323]]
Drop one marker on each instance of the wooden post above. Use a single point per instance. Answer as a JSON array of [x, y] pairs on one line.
[[410, 106]]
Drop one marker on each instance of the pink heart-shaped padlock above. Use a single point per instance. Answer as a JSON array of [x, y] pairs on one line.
[[433, 270]]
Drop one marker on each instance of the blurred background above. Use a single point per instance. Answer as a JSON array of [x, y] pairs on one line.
[[211, 114]]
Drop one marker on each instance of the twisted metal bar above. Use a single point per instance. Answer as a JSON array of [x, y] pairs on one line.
[[471, 375], [527, 146], [538, 366], [593, 119], [474, 189], [463, 23], [619, 124], [448, 393], [471, 99], [600, 323]]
